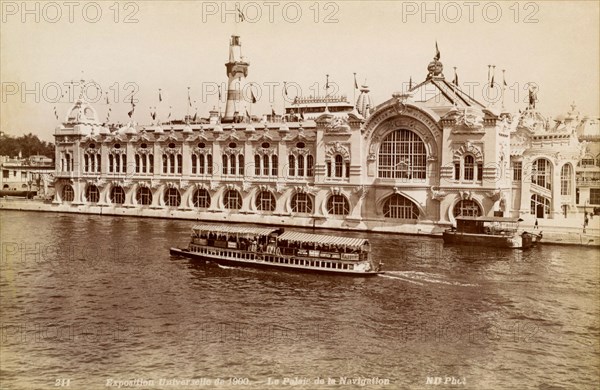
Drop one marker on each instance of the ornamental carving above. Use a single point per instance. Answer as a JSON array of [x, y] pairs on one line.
[[337, 124], [361, 191], [494, 195], [263, 188], [144, 150], [468, 147], [121, 183], [92, 151], [409, 114], [98, 182], [335, 190], [171, 184], [197, 150], [279, 188], [144, 184], [437, 194], [266, 151], [214, 185], [232, 151], [246, 186], [305, 189], [467, 120], [333, 148], [231, 187], [172, 150], [114, 150], [299, 152], [184, 184], [465, 195]]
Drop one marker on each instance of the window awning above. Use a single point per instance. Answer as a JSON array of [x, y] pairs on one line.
[[323, 239]]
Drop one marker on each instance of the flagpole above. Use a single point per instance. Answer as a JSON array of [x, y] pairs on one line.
[[326, 92], [189, 104], [503, 87], [354, 98]]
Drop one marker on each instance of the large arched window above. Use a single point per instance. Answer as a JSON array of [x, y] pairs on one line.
[[172, 197], [143, 196], [201, 198], [338, 205], [565, 179], [402, 154], [467, 208], [399, 207], [232, 200], [67, 193], [265, 201], [540, 206], [92, 194], [541, 173], [117, 195], [302, 203]]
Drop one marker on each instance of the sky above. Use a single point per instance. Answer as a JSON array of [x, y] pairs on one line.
[[144, 46]]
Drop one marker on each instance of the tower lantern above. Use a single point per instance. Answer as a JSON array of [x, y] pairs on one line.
[[237, 68]]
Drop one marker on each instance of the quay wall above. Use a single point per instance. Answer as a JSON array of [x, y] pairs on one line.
[[554, 231]]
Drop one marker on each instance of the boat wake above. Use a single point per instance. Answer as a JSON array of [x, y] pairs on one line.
[[419, 278], [226, 266]]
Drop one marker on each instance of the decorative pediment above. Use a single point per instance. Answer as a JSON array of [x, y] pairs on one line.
[[409, 113], [468, 148], [333, 148]]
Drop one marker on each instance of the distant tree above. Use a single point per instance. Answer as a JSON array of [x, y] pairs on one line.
[[28, 145]]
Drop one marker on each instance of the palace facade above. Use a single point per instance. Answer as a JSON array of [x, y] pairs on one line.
[[410, 164]]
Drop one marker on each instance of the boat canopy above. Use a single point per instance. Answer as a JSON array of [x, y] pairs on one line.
[[490, 219], [234, 230], [323, 239]]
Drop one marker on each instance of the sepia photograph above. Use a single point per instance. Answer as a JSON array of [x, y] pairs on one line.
[[299, 195]]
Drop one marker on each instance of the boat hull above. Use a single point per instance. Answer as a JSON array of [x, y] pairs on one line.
[[264, 264], [522, 241]]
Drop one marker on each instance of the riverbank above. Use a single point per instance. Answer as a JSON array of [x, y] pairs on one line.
[[555, 231]]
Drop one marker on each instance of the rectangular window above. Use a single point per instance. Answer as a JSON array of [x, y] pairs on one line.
[[457, 171], [517, 168], [479, 172], [328, 168], [594, 195], [347, 169], [5, 174]]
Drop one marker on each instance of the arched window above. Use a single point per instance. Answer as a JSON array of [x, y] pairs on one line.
[[265, 164], [111, 163], [143, 196], [257, 165], [338, 205], [68, 194], [201, 198], [301, 165], [466, 208], [541, 173], [86, 162], [302, 203], [225, 164], [209, 164], [292, 165], [232, 165], [150, 163], [274, 165], [399, 207], [194, 164], [92, 194], [171, 163], [179, 163], [232, 200], [137, 163], [241, 165], [165, 163], [309, 165], [265, 201], [117, 195], [172, 197], [540, 206], [201, 161], [469, 168], [565, 180], [402, 154], [339, 165]]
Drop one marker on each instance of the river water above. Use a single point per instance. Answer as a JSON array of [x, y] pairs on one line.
[[92, 302]]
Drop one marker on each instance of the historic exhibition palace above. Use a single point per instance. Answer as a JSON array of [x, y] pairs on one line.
[[410, 164]]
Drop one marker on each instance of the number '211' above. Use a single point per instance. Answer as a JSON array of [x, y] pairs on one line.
[[62, 383]]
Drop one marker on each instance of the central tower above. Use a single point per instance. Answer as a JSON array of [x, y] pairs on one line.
[[236, 69]]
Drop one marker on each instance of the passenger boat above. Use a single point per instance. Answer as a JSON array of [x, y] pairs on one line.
[[490, 231], [278, 249]]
